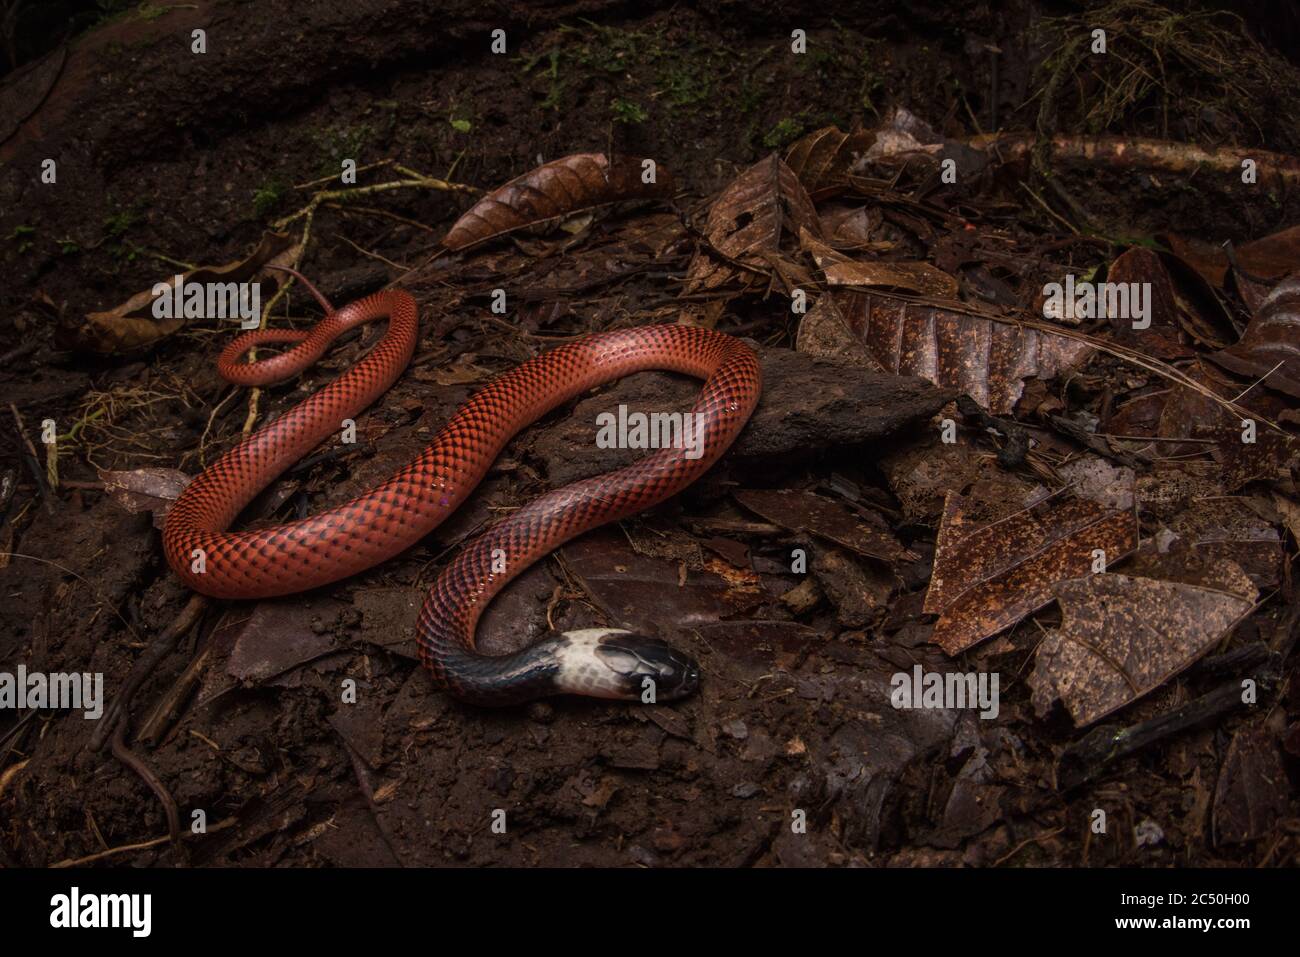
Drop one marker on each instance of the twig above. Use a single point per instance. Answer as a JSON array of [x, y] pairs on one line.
[[134, 762], [142, 845], [33, 462], [158, 649]]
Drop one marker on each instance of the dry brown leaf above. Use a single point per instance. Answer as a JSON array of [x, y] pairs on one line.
[[835, 521], [919, 278], [825, 331], [1188, 566], [1253, 790], [572, 184], [1271, 455], [145, 490], [1123, 637], [132, 324], [1162, 338], [823, 159], [987, 360], [747, 222], [989, 578], [1270, 347]]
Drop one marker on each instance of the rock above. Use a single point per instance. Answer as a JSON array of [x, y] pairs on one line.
[[809, 404]]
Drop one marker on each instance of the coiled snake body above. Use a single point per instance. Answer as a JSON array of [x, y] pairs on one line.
[[350, 538]]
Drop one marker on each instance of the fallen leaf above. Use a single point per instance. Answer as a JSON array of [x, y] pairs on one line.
[[987, 360], [747, 222], [1272, 256], [858, 591], [989, 578], [145, 490], [1253, 790], [132, 324], [1123, 637], [918, 278], [1270, 347], [1187, 566], [573, 184], [829, 519], [823, 159], [1270, 456], [1162, 337], [1226, 528]]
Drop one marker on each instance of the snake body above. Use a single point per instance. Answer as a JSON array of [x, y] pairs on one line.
[[377, 525]]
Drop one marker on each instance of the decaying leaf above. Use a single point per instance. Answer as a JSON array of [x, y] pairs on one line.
[[857, 589], [1142, 269], [1225, 528], [919, 278], [1123, 637], [823, 159], [1269, 257], [825, 331], [1186, 565], [145, 490], [829, 519], [989, 578], [557, 189], [1253, 790], [1269, 455], [1270, 347], [987, 360], [747, 222], [132, 324]]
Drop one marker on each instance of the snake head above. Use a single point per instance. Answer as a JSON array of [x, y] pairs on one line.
[[612, 663]]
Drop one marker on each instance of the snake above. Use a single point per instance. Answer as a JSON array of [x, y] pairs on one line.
[[339, 542]]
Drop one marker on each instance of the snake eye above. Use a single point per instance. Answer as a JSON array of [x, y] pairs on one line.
[[635, 658]]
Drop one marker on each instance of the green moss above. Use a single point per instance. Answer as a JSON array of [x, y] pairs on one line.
[[117, 224], [268, 197], [625, 111], [22, 235], [786, 131]]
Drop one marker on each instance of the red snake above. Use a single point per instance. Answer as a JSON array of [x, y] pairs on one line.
[[347, 539]]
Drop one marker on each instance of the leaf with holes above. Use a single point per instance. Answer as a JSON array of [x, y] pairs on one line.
[[574, 184], [1122, 637], [989, 578], [746, 225]]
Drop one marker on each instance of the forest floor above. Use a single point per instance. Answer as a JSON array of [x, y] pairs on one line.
[[830, 552]]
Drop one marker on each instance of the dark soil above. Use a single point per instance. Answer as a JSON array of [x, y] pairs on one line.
[[165, 157]]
